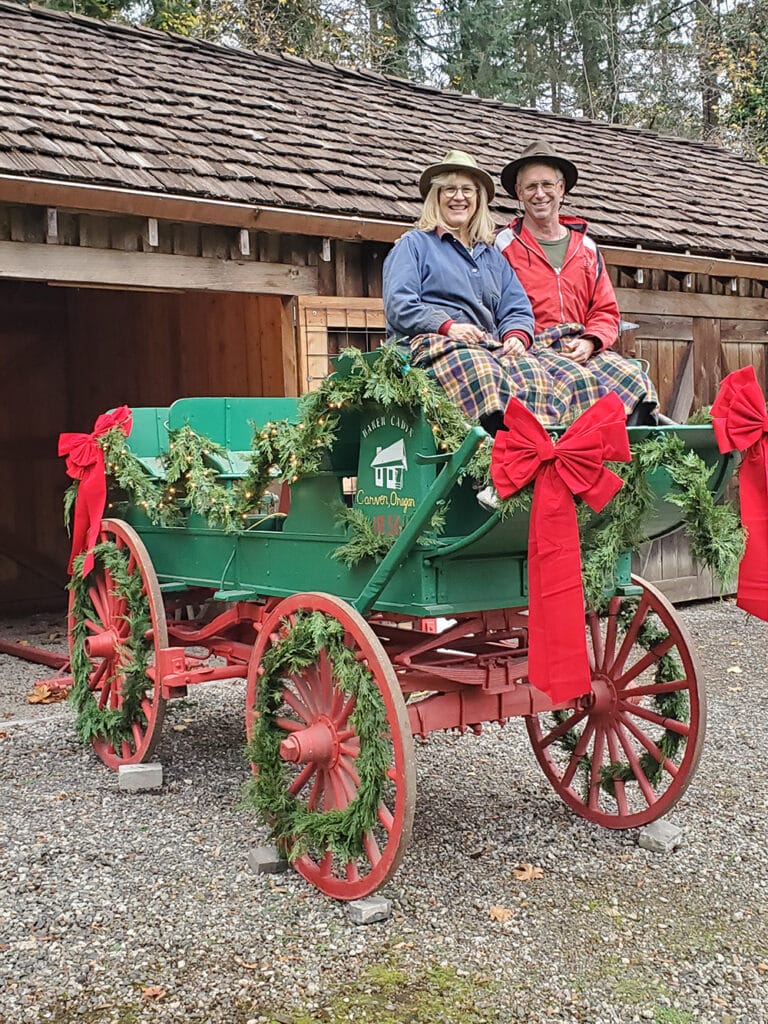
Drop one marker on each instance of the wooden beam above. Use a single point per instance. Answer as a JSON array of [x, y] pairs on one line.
[[683, 263], [181, 209], [729, 307], [66, 264]]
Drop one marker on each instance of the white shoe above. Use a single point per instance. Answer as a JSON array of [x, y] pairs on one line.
[[488, 498]]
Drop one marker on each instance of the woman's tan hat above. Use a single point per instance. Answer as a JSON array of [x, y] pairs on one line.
[[462, 163], [539, 152]]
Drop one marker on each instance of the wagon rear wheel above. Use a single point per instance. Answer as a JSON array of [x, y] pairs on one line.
[[331, 745], [116, 626], [626, 754]]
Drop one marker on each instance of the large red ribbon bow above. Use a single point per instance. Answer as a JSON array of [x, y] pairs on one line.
[[741, 422], [85, 462], [558, 662]]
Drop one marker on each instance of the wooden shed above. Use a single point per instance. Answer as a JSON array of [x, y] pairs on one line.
[[178, 218]]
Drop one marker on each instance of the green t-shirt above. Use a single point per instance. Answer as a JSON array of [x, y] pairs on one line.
[[555, 251]]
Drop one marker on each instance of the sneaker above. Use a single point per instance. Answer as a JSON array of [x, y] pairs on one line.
[[488, 498]]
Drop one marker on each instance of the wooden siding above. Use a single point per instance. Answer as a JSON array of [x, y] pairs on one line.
[[69, 354]]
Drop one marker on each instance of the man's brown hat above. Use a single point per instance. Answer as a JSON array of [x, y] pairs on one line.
[[459, 162], [539, 152]]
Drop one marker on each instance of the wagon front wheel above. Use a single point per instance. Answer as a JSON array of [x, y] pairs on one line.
[[627, 752], [116, 626], [331, 746]]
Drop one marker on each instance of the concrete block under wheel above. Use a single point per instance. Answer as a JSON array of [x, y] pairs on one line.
[[267, 860], [370, 910], [134, 778], [660, 837]]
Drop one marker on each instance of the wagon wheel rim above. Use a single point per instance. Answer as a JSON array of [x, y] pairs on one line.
[[316, 713], [106, 632], [626, 755]]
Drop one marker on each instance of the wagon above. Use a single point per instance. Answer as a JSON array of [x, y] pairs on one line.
[[345, 663]]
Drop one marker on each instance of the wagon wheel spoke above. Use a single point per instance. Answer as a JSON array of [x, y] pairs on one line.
[[301, 779], [649, 745], [627, 756], [562, 728], [681, 728], [324, 759], [598, 752]]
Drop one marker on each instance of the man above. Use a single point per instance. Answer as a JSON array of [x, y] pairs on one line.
[[562, 271]]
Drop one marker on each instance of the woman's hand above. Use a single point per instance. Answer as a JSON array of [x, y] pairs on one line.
[[467, 333], [513, 347]]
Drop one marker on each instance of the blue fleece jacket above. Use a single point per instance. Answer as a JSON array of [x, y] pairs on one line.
[[430, 277]]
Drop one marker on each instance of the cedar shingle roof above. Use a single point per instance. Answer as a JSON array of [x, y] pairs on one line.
[[86, 101]]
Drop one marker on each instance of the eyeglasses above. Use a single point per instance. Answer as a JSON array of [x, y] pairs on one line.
[[466, 191], [549, 187]]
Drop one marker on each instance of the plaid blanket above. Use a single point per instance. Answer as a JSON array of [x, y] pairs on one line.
[[603, 372], [479, 380]]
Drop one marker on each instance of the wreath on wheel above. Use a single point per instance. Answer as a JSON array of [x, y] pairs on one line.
[[93, 722], [296, 827]]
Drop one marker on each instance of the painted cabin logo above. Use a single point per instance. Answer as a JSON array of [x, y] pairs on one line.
[[390, 465]]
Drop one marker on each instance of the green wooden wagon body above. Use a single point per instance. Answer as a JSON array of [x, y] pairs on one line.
[[433, 636]]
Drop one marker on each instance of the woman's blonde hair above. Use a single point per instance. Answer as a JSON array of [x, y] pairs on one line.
[[480, 228]]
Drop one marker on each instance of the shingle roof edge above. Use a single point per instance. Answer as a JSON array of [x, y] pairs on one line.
[[230, 52]]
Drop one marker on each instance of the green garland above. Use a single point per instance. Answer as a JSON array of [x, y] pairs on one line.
[[288, 451], [110, 724], [294, 825], [714, 533]]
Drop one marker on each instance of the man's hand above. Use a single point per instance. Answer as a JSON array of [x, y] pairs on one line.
[[467, 333], [578, 349]]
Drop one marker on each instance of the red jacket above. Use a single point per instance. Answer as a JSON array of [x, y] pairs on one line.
[[580, 291]]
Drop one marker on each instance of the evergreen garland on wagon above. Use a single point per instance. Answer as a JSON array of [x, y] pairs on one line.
[[92, 722], [294, 825]]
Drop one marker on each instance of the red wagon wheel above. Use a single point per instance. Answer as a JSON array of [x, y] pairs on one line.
[[112, 647], [325, 749], [625, 755]]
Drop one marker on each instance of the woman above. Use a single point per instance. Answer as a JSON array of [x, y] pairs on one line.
[[455, 301]]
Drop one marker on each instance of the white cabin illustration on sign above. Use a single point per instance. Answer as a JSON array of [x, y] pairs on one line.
[[389, 465]]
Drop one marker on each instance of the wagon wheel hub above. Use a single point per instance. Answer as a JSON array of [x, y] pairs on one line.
[[318, 743], [102, 645], [604, 699]]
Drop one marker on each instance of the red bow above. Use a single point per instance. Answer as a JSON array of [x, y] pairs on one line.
[[558, 662], [740, 421], [85, 462]]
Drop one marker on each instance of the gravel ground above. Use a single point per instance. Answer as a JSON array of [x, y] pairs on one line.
[[134, 908]]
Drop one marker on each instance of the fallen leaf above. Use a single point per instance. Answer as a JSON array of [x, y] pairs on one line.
[[256, 966], [735, 689], [3, 735], [179, 728], [500, 914], [152, 992], [528, 872], [734, 670], [625, 857], [762, 967], [43, 694], [23, 643]]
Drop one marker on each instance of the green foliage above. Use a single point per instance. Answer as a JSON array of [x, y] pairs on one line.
[[740, 55], [112, 724], [294, 825]]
